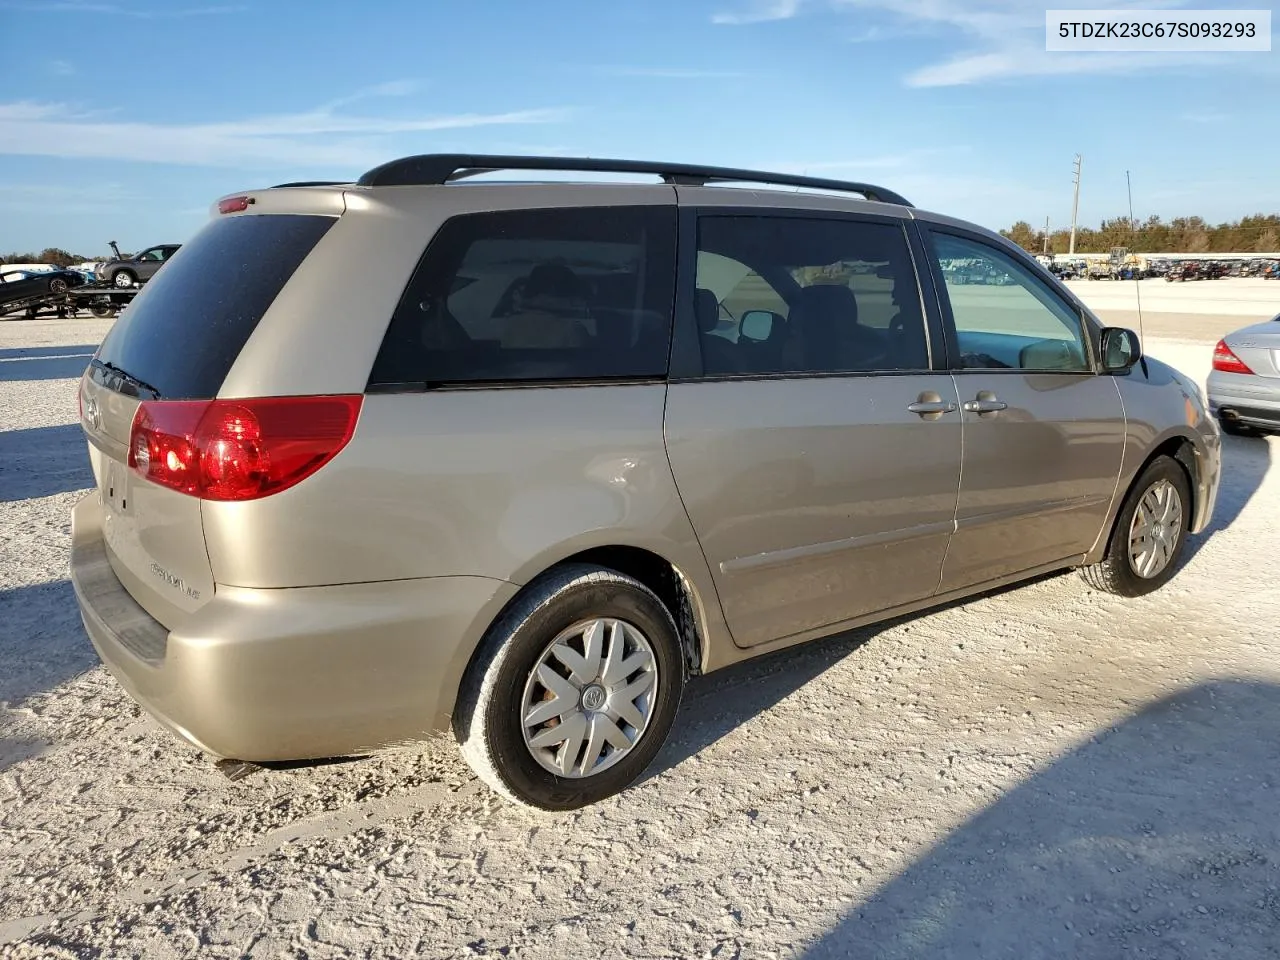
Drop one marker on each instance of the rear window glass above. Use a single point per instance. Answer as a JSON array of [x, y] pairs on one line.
[[537, 295], [186, 327]]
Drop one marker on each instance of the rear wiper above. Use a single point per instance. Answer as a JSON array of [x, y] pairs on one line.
[[128, 378]]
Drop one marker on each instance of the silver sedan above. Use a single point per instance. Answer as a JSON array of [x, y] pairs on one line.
[[1244, 387]]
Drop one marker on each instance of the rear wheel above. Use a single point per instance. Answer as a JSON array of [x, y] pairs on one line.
[[101, 310], [1149, 533], [573, 691]]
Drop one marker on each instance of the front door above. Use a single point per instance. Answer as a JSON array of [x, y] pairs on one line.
[[1044, 434], [818, 454]]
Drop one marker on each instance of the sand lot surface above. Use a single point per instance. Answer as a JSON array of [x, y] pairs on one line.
[[1043, 772]]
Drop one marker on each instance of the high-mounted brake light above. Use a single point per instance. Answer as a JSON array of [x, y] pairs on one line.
[[1226, 361], [239, 449], [234, 204]]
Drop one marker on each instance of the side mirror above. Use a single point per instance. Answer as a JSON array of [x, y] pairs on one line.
[[756, 325], [1120, 349]]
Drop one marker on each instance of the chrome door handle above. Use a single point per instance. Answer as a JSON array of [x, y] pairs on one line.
[[985, 402], [931, 406]]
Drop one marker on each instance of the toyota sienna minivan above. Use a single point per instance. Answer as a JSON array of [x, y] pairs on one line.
[[517, 458]]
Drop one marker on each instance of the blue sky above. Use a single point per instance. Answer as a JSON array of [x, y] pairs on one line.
[[124, 119]]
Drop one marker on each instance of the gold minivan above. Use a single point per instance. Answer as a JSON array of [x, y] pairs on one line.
[[422, 452]]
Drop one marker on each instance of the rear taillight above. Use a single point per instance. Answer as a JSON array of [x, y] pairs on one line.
[[234, 204], [239, 449], [1226, 361]]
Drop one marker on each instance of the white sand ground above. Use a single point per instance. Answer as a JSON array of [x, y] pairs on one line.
[[1044, 772]]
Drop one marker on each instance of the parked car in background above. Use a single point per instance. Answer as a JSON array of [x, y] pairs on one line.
[[1184, 270], [515, 481], [127, 271], [1244, 385], [19, 287]]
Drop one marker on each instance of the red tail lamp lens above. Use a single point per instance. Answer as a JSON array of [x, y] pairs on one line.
[[239, 449], [234, 204], [1226, 361]]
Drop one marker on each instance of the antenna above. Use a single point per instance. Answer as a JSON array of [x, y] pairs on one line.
[[1137, 282]]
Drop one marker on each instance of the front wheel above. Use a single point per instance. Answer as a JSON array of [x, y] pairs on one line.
[[1149, 534], [573, 691], [123, 279]]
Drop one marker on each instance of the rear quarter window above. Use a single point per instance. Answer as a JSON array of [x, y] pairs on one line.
[[186, 327], [537, 296]]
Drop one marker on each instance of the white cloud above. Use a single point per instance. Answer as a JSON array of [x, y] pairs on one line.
[[996, 39], [1025, 62], [325, 137], [65, 198], [1204, 117], [761, 11]]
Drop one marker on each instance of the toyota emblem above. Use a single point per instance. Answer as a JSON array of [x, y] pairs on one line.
[[93, 412]]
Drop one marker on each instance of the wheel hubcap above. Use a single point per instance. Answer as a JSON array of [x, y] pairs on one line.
[[1155, 529], [589, 698]]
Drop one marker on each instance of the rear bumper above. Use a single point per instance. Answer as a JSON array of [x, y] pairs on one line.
[[292, 673], [1249, 400]]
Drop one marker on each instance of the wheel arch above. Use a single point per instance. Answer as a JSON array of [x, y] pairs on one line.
[[668, 581], [1178, 447]]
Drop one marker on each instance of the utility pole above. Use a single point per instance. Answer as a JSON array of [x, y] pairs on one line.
[[1046, 236], [1075, 204]]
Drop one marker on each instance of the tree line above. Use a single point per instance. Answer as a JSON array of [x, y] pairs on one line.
[[1256, 234], [54, 255]]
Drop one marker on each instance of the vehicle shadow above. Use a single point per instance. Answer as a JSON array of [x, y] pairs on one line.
[[43, 461], [717, 704], [43, 643], [1158, 837], [1245, 462], [35, 364], [36, 350], [16, 750]]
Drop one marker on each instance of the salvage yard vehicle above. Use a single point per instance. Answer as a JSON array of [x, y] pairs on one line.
[[1244, 385], [25, 292], [127, 271], [517, 458]]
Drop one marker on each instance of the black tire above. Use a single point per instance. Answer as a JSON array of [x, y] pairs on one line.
[[102, 310], [126, 275], [487, 719], [1237, 429], [1116, 573], [58, 286]]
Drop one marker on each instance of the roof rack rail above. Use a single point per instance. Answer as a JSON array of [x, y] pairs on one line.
[[441, 168], [311, 183]]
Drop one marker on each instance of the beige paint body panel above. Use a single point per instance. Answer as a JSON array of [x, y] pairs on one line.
[[289, 674], [1039, 476], [153, 535], [816, 499], [1163, 408]]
